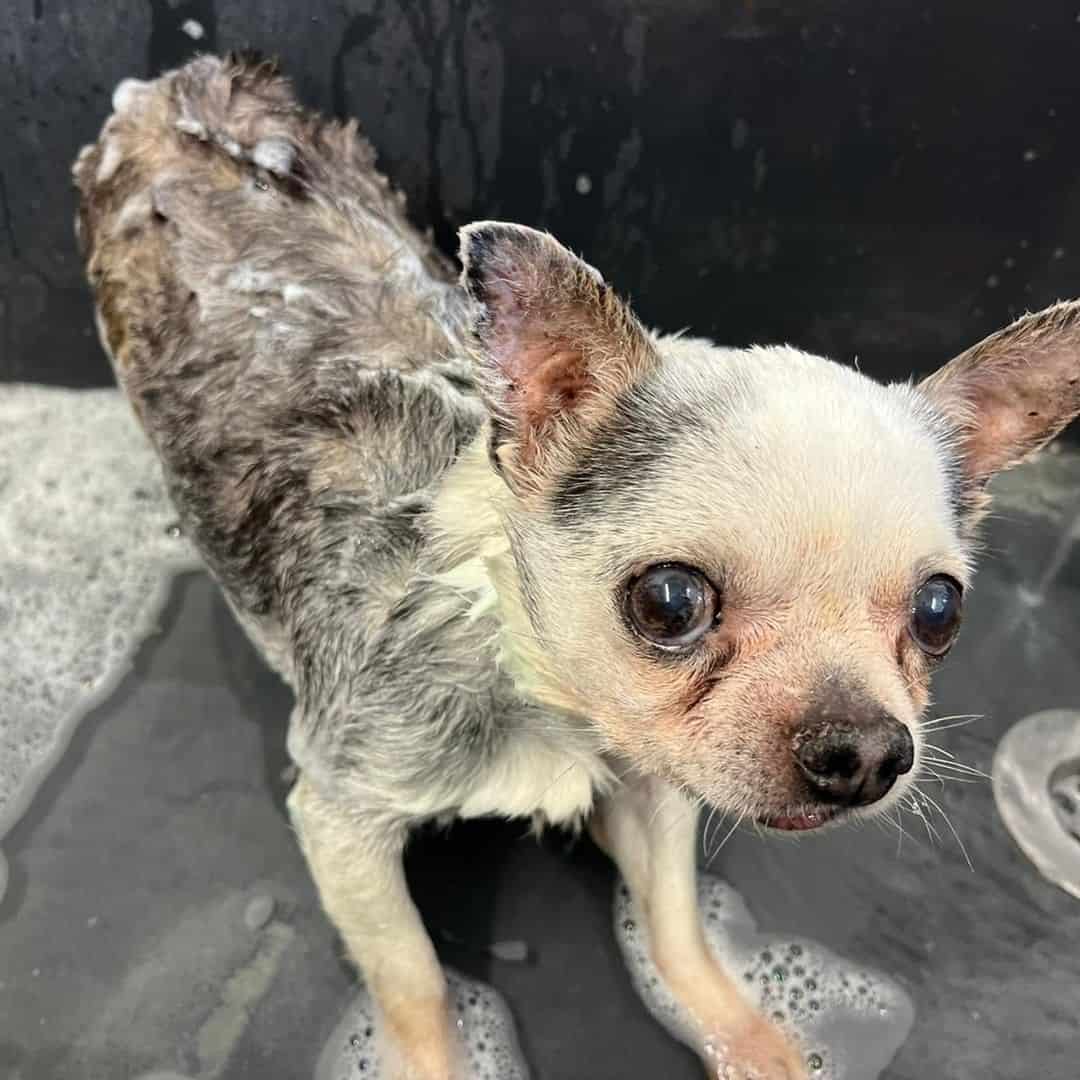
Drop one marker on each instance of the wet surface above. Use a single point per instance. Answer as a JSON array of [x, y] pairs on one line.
[[159, 915]]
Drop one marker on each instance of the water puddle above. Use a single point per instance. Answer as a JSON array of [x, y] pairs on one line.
[[88, 548]]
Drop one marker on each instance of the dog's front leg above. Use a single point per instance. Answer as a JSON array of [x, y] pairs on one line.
[[650, 831], [357, 867]]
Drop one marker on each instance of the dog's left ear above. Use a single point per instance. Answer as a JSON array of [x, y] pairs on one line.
[[557, 346], [1012, 393]]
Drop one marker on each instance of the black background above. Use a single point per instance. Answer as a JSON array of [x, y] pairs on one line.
[[883, 182]]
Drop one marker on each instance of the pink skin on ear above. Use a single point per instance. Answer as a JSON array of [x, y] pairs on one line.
[[1013, 392], [556, 341]]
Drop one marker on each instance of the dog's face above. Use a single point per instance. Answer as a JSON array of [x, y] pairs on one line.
[[742, 566]]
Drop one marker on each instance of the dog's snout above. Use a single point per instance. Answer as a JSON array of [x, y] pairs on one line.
[[855, 762]]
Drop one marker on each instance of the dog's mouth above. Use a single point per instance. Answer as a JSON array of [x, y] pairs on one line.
[[802, 822]]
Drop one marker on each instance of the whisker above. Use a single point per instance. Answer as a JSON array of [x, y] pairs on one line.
[[952, 829], [940, 750], [572, 765], [961, 718], [916, 808], [957, 767], [901, 832], [727, 837], [938, 727], [938, 778], [693, 809], [705, 833], [935, 775], [660, 806]]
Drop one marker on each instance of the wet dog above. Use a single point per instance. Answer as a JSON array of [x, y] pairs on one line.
[[515, 553]]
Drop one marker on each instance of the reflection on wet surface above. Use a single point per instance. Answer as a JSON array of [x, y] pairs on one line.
[[159, 919]]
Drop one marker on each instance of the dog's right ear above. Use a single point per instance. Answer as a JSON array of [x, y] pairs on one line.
[[556, 344]]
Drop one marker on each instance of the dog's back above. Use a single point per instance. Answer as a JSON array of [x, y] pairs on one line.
[[290, 343]]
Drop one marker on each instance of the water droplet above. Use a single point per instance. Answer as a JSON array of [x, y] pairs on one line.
[[814, 1006], [583, 184], [811, 985], [778, 974], [173, 531], [629, 926], [354, 1041], [815, 1063], [796, 950]]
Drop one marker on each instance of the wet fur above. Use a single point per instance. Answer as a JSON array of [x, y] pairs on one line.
[[423, 500], [297, 353]]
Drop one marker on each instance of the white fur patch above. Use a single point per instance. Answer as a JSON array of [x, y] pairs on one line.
[[191, 127], [110, 161], [129, 95], [533, 778], [274, 155], [134, 212], [247, 279]]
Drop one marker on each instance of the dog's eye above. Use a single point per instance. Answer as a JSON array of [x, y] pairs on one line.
[[671, 605], [935, 614]]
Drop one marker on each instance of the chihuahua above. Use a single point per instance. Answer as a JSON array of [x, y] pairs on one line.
[[517, 554]]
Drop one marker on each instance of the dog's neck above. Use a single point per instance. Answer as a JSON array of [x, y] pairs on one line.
[[474, 557]]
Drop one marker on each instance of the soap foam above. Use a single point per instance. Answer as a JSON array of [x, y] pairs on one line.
[[482, 1018], [88, 546], [849, 1021]]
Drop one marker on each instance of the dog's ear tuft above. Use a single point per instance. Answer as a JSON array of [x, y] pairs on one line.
[[557, 345], [1008, 396]]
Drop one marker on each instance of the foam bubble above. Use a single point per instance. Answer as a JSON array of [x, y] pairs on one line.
[[483, 1020], [86, 557], [850, 1021]]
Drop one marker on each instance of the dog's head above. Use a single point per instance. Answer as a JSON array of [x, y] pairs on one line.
[[742, 566]]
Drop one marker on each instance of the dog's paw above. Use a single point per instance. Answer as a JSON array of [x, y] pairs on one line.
[[755, 1050], [476, 1041], [415, 1042]]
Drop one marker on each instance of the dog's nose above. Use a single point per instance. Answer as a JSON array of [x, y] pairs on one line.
[[854, 764]]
